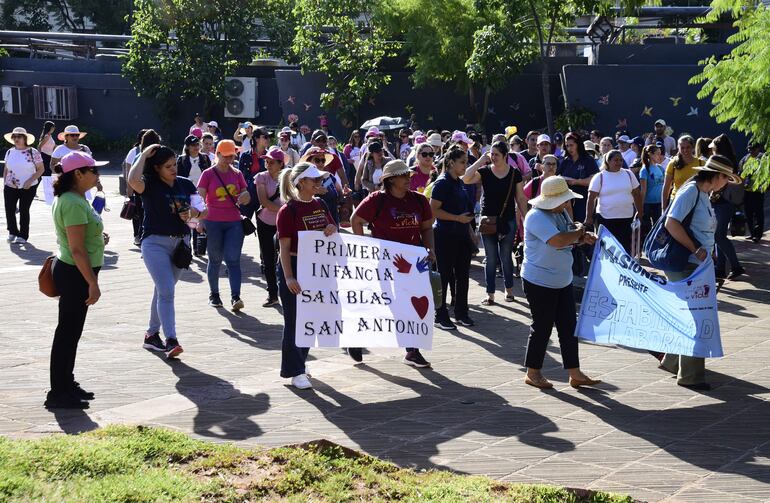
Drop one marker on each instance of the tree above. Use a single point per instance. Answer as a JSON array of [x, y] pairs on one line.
[[185, 49], [67, 15], [739, 83], [343, 40], [550, 17], [454, 41], [278, 23]]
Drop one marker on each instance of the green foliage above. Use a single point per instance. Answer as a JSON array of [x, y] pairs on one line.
[[500, 52], [278, 23], [739, 83], [575, 119], [136, 464], [66, 15], [343, 40], [185, 49]]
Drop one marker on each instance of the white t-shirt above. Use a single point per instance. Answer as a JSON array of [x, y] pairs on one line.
[[629, 156], [131, 156], [245, 144], [615, 200], [195, 170], [20, 166], [212, 157], [63, 150]]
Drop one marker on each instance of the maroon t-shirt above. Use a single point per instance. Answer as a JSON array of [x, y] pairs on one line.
[[398, 220], [298, 216]]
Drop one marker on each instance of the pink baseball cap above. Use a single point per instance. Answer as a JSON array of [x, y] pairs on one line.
[[420, 139], [458, 136], [196, 132], [274, 153], [373, 131], [77, 160]]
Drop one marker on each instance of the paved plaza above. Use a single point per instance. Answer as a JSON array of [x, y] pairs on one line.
[[638, 434]]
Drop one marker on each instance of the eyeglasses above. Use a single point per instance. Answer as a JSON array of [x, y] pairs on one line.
[[427, 154]]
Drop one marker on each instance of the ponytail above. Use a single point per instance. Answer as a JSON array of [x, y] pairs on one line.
[[288, 190], [647, 155]]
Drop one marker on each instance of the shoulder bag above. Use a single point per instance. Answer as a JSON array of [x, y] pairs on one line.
[[246, 223], [45, 278], [488, 225], [662, 250]]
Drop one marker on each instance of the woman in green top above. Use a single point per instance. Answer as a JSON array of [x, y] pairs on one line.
[[79, 233]]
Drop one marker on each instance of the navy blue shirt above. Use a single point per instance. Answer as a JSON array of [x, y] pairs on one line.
[[454, 199], [584, 167], [162, 204]]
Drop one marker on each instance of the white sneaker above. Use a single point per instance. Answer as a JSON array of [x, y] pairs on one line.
[[20, 240], [10, 239], [301, 382]]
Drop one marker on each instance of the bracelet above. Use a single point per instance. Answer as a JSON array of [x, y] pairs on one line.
[[697, 250]]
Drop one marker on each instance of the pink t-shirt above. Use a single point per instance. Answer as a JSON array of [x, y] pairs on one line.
[[419, 181], [271, 186], [220, 206]]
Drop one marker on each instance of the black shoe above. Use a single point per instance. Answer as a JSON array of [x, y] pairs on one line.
[[153, 342], [464, 321], [173, 349], [701, 386], [236, 303], [356, 354], [64, 401], [443, 322], [740, 271], [271, 301], [81, 393], [720, 274], [415, 359], [756, 240], [215, 300]]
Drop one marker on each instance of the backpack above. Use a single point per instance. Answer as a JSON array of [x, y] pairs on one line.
[[662, 250]]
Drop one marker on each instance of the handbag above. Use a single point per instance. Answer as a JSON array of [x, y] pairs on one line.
[[182, 256], [45, 278], [662, 250], [738, 224], [246, 223], [489, 224], [128, 211]]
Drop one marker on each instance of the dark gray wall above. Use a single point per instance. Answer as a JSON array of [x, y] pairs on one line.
[[658, 54]]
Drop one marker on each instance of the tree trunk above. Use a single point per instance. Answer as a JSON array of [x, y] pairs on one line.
[[546, 81]]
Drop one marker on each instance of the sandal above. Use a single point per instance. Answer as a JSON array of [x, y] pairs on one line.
[[488, 302]]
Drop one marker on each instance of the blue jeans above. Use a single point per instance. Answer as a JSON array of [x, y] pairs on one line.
[[225, 241], [502, 251], [725, 250], [292, 357], [156, 253]]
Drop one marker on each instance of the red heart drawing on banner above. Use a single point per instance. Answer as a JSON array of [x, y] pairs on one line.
[[421, 305]]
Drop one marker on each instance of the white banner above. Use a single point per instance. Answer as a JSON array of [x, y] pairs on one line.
[[359, 291], [625, 304]]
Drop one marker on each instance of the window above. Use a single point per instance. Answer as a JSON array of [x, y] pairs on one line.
[[55, 103], [11, 96]]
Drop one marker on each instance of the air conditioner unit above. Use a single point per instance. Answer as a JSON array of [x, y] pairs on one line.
[[11, 99], [241, 97]]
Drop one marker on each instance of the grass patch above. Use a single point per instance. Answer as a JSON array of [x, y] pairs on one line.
[[138, 464]]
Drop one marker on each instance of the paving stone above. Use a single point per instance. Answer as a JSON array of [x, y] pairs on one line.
[[639, 434]]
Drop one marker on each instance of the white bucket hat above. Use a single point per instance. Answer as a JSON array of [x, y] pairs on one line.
[[71, 129], [19, 130], [554, 191]]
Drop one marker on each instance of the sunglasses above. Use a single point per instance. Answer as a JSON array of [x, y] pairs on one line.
[[72, 136], [404, 136], [551, 163], [318, 160], [427, 154]]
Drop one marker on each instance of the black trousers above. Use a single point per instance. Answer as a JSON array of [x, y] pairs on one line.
[[754, 206], [292, 357], [23, 199], [619, 227], [73, 292], [136, 222], [551, 306], [453, 260], [266, 236]]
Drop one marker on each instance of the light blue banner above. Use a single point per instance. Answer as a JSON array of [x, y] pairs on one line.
[[627, 305]]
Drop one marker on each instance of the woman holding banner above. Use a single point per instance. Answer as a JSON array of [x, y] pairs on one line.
[[398, 214], [302, 212], [698, 237], [546, 273]]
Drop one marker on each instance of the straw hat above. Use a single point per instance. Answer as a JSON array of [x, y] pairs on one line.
[[393, 168], [720, 164], [19, 130], [554, 191], [71, 129], [313, 151]]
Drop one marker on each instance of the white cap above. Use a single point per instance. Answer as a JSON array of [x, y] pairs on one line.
[[624, 139], [311, 172], [543, 138], [213, 124]]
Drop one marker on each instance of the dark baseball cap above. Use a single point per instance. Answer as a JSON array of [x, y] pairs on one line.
[[638, 141], [262, 131], [318, 134], [191, 140]]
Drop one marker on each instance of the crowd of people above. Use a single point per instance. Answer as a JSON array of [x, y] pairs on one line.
[[533, 203]]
